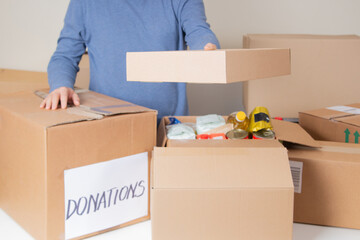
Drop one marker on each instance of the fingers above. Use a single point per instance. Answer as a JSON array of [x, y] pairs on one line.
[[64, 98], [76, 99], [62, 95], [210, 46]]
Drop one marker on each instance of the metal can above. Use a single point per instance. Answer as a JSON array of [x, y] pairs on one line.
[[237, 134], [264, 134]]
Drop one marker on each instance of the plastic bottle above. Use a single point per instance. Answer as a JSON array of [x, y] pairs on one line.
[[239, 120]]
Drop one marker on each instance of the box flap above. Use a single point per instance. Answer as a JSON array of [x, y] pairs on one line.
[[292, 132], [197, 66], [221, 168], [352, 120], [329, 151], [93, 106]]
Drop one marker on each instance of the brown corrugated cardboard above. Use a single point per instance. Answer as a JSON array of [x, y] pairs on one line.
[[198, 193], [36, 146], [324, 72], [16, 80], [336, 123], [218, 66], [329, 193], [223, 189]]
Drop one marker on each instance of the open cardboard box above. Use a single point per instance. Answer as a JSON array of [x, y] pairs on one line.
[[55, 163], [223, 189], [327, 187], [336, 123]]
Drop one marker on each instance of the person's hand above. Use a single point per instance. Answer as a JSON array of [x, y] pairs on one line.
[[62, 94], [210, 46]]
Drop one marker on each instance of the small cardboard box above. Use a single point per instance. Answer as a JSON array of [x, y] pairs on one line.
[[327, 188], [15, 80], [197, 66], [223, 189], [336, 123], [67, 173], [324, 72]]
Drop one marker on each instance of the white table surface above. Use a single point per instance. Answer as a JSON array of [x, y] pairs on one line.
[[10, 230]]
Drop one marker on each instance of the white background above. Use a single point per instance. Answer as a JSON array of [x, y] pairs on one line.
[[29, 31]]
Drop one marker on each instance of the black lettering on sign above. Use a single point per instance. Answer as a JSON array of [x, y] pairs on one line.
[[106, 199]]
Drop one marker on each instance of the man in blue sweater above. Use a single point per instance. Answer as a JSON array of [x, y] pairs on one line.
[[109, 29]]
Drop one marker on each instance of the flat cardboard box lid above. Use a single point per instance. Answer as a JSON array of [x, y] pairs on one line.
[[217, 66], [93, 106], [221, 168]]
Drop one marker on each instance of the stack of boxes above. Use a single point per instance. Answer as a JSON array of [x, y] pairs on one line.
[[200, 189]]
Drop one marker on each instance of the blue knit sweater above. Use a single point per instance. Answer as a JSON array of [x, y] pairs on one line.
[[110, 28]]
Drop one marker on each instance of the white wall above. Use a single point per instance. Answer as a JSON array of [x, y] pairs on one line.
[[29, 30]]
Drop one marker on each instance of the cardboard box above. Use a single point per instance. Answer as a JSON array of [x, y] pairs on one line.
[[223, 189], [336, 123], [324, 72], [47, 157], [218, 66], [15, 80], [328, 181]]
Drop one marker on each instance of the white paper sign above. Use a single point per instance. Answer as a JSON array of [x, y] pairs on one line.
[[104, 195]]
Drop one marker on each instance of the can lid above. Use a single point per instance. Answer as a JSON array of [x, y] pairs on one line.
[[240, 116]]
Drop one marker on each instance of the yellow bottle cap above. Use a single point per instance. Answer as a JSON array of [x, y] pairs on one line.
[[240, 116]]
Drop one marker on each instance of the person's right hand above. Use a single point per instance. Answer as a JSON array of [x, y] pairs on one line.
[[62, 94]]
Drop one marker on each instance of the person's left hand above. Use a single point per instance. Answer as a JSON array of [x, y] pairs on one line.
[[210, 46]]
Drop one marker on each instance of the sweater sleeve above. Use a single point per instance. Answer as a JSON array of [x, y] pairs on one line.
[[197, 31], [63, 65]]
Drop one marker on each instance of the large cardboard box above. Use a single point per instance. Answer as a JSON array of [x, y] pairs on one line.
[[218, 66], [336, 123], [223, 189], [324, 72], [327, 184], [75, 172], [17, 80]]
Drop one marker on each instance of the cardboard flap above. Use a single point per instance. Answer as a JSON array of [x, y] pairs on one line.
[[221, 168], [326, 113], [97, 103], [93, 106], [353, 120], [292, 132], [329, 151]]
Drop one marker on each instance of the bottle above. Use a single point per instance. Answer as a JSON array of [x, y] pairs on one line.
[[239, 120]]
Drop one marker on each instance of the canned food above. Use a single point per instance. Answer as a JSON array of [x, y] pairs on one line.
[[259, 119], [237, 134], [264, 134]]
